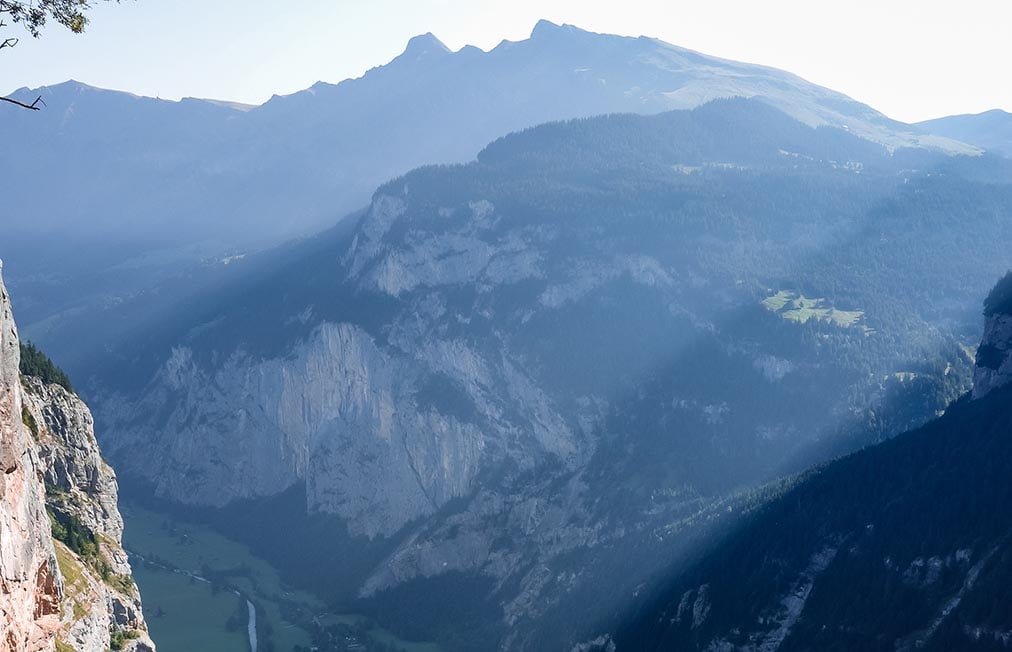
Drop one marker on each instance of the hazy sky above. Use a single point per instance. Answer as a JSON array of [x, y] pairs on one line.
[[912, 59]]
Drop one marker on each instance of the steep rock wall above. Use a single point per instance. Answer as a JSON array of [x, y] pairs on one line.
[[30, 585], [55, 484], [81, 491], [340, 413]]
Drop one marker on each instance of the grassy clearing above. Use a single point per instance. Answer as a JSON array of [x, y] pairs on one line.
[[799, 308], [70, 568], [74, 579], [778, 301], [29, 421]]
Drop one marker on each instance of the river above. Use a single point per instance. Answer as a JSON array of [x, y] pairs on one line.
[[251, 626]]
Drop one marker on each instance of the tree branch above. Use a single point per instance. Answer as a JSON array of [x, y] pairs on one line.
[[34, 106]]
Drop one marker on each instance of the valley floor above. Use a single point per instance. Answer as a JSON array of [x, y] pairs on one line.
[[196, 584]]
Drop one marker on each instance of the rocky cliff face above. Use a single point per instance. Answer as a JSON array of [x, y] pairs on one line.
[[31, 588], [66, 580], [994, 356], [345, 415], [81, 494]]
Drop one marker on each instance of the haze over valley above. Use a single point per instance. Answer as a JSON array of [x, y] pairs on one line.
[[583, 342]]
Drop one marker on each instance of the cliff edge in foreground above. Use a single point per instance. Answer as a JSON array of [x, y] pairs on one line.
[[65, 582]]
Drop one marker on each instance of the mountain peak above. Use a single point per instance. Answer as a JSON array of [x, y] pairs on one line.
[[69, 86], [547, 29], [543, 27], [425, 44]]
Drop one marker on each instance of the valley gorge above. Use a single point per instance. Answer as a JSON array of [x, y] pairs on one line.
[[582, 342], [421, 375]]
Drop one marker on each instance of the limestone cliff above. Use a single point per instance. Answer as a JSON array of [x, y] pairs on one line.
[[30, 585], [65, 581], [345, 415]]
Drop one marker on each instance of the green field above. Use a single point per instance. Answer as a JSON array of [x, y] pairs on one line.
[[797, 307], [188, 615], [169, 541]]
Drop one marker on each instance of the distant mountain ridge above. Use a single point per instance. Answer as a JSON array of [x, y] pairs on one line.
[[149, 187], [991, 130]]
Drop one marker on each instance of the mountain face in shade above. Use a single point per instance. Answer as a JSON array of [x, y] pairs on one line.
[[903, 546], [149, 189], [994, 355], [530, 383], [991, 131]]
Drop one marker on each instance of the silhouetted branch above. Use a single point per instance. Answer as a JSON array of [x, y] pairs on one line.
[[7, 42], [34, 106]]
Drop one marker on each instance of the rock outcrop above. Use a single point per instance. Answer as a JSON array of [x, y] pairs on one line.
[[65, 580], [81, 493], [994, 356]]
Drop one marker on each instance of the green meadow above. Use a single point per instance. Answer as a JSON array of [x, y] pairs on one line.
[[797, 307], [186, 614], [192, 611]]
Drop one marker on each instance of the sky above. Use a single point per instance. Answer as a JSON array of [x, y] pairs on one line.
[[911, 59]]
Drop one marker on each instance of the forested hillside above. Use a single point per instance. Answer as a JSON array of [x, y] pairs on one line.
[[902, 546]]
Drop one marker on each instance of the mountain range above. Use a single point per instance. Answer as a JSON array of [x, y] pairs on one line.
[[129, 193], [581, 306], [991, 130]]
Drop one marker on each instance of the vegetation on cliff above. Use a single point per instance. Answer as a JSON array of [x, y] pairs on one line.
[[36, 363], [1000, 299]]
